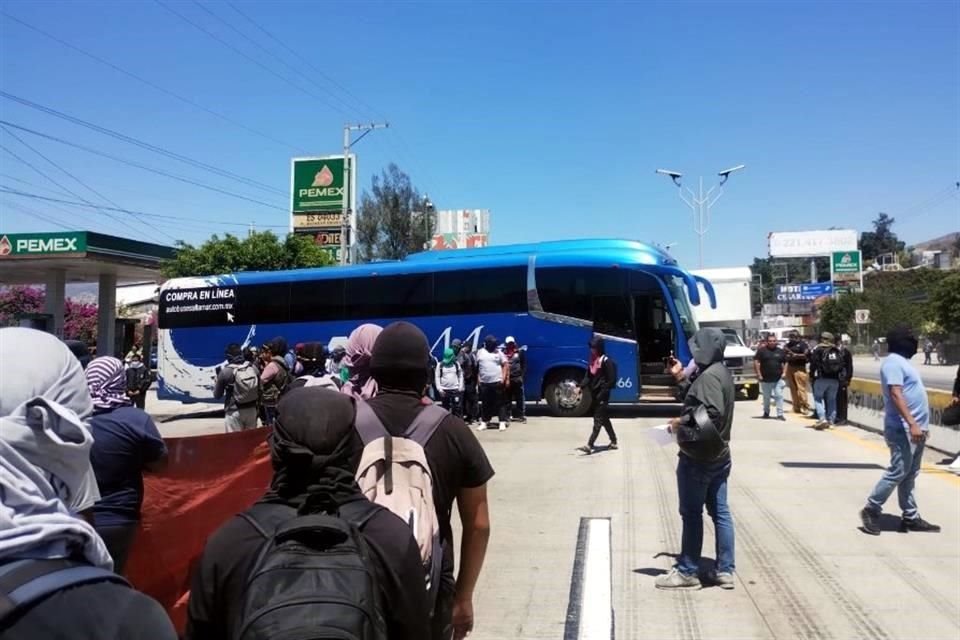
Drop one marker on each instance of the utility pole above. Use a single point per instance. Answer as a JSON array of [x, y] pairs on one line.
[[346, 216], [700, 203]]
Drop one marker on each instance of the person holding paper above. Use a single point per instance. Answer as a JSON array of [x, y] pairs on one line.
[[906, 424], [703, 434]]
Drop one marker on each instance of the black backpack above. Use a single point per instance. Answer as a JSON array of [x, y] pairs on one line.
[[24, 583], [313, 579], [831, 363]]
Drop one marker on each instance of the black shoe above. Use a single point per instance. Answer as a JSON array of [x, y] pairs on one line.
[[585, 449], [781, 419], [766, 416], [613, 446], [871, 521], [918, 524]]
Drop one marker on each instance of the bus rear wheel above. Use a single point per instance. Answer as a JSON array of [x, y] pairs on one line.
[[565, 397]]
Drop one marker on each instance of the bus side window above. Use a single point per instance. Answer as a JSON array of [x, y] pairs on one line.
[[594, 294], [316, 300], [388, 296], [497, 290]]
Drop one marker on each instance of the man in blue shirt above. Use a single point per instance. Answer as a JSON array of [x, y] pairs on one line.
[[906, 422]]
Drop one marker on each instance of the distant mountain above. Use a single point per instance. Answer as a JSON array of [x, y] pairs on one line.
[[943, 243]]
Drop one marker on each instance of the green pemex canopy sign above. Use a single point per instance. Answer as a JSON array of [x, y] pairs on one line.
[[317, 184], [35, 245]]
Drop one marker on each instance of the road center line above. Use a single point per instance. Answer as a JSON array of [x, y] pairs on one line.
[[590, 609]]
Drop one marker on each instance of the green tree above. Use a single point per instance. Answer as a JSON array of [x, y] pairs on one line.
[[259, 251], [836, 314], [881, 240], [391, 221], [945, 303]]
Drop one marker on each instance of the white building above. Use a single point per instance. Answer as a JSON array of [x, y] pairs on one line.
[[461, 229]]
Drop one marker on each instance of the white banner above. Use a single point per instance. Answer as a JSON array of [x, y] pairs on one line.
[[808, 244]]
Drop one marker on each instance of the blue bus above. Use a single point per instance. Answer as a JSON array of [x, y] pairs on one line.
[[550, 295]]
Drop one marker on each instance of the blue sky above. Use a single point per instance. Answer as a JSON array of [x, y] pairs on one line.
[[552, 115]]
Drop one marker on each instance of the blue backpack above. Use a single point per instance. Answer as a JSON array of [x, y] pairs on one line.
[[23, 583]]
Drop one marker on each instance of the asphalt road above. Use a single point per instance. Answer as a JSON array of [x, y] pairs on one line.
[[934, 376]]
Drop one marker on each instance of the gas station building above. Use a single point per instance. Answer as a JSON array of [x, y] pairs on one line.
[[55, 259]]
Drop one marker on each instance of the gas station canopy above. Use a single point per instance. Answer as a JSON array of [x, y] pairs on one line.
[[54, 259]]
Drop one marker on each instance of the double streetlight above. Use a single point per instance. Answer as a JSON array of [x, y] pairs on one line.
[[701, 203]]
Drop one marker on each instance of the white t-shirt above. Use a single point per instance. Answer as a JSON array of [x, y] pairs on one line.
[[490, 365]]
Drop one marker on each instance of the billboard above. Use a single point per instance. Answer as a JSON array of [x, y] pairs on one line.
[[36, 245], [316, 200], [458, 241], [846, 270], [803, 292], [810, 244]]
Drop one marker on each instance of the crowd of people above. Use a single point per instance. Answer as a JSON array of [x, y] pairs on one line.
[[484, 388], [364, 468]]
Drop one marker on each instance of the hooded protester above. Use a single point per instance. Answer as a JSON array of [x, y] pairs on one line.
[[126, 443], [335, 362], [274, 378], [44, 468], [79, 349], [238, 383], [703, 434], [360, 384], [312, 358], [516, 401], [906, 425], [493, 371], [459, 467], [448, 378], [467, 360], [315, 451], [600, 377], [138, 380]]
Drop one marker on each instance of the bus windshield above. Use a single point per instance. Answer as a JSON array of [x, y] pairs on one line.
[[678, 291]]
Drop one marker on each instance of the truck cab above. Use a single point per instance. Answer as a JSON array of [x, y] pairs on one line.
[[739, 360]]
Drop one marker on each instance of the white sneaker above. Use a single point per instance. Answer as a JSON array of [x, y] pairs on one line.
[[503, 427], [482, 427]]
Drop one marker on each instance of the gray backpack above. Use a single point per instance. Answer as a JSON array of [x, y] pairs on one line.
[[394, 473], [246, 384]]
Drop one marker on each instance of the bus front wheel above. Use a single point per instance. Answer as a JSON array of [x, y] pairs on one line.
[[565, 397]]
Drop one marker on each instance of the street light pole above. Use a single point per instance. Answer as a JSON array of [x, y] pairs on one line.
[[345, 216], [700, 203], [427, 206]]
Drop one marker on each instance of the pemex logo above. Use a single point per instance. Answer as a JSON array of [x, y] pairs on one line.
[[5, 247], [323, 178], [847, 259]]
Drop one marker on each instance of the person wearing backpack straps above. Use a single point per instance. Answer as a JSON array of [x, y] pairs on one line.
[[826, 367], [274, 378], [359, 572], [56, 577], [459, 470], [238, 383]]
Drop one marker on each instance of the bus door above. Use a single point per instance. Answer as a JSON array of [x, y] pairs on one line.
[[612, 320], [655, 333]]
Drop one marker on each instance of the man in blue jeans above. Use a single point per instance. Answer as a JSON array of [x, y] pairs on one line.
[[769, 365], [826, 367], [906, 422], [704, 463]]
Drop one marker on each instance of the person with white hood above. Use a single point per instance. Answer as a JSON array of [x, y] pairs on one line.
[[56, 578]]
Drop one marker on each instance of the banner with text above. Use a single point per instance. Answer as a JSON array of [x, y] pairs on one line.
[[317, 200]]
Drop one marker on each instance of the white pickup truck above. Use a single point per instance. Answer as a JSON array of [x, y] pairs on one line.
[[739, 360]]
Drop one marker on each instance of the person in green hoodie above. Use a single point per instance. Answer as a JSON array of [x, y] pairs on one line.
[[703, 434], [448, 377]]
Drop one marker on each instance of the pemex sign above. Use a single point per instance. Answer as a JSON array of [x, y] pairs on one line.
[[317, 185], [38, 245]]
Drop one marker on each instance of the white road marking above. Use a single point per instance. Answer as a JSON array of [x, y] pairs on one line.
[[596, 605]]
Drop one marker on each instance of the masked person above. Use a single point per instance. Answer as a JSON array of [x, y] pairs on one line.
[[448, 379], [843, 398], [493, 375], [703, 468], [468, 364], [600, 377], [315, 452], [359, 382], [826, 367], [238, 383], [44, 469], [517, 367], [126, 443], [459, 466], [906, 425], [274, 377]]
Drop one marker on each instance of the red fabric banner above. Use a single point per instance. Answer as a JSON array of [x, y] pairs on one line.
[[208, 480]]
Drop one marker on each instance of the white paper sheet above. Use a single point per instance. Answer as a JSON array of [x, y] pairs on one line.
[[661, 436]]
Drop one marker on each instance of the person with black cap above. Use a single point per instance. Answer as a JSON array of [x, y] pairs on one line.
[[238, 383], [315, 451], [600, 377], [458, 464], [906, 425], [467, 360]]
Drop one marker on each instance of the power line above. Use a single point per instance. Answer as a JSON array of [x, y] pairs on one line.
[[279, 59], [250, 58], [144, 145], [378, 115], [39, 186], [144, 167], [36, 196], [67, 173], [35, 214], [151, 84]]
